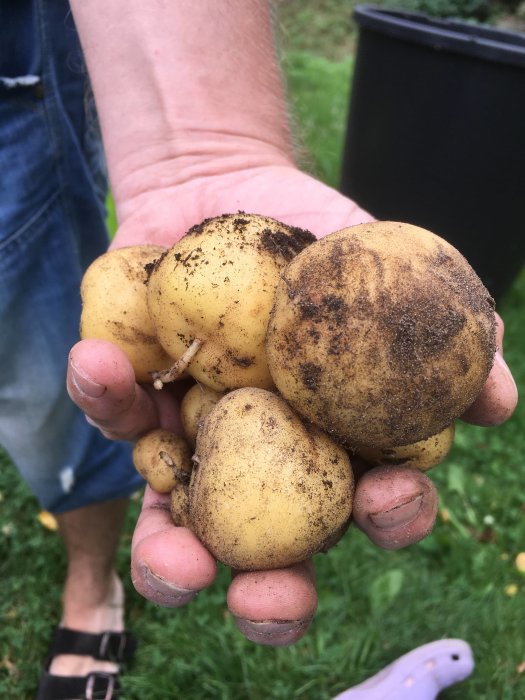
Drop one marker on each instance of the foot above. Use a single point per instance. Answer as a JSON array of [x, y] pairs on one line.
[[106, 616], [419, 675]]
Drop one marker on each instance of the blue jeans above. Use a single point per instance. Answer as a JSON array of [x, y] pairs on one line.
[[52, 225]]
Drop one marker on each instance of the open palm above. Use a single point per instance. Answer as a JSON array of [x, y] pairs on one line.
[[169, 564]]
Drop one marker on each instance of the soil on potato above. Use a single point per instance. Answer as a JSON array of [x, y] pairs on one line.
[[417, 325], [283, 242]]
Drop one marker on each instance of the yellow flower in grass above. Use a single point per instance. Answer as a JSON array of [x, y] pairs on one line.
[[520, 562], [48, 520]]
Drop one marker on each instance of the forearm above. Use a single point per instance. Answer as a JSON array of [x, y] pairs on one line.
[[183, 89]]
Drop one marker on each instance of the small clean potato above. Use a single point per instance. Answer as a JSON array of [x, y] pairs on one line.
[[114, 307], [267, 490], [422, 455], [210, 298], [195, 406], [163, 459], [382, 334]]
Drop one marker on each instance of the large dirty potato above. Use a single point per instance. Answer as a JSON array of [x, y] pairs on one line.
[[382, 334], [267, 491], [210, 298], [114, 307]]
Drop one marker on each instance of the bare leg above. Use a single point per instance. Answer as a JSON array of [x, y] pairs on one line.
[[93, 598]]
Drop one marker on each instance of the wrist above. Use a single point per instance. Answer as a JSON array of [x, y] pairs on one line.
[[186, 90], [194, 156]]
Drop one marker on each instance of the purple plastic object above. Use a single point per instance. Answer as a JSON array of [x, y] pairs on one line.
[[419, 675]]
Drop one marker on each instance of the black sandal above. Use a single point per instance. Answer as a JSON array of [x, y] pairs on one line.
[[117, 647]]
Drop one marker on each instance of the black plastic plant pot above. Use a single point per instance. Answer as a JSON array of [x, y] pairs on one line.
[[436, 134]]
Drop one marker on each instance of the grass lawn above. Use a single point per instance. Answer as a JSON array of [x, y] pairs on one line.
[[462, 581]]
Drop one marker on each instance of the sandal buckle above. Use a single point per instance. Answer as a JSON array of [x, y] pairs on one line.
[[92, 680]]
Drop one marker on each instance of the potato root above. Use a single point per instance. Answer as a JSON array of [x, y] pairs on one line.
[[210, 297], [163, 459]]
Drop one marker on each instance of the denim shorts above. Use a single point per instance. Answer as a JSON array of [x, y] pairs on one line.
[[52, 225]]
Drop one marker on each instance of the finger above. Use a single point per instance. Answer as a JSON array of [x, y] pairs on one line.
[[500, 332], [499, 397], [395, 506], [168, 564], [101, 382], [274, 607]]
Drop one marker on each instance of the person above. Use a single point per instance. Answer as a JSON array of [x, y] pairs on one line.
[[194, 124], [52, 224]]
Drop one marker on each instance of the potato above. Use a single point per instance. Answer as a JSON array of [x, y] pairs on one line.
[[163, 459], [422, 455], [267, 490], [195, 406], [210, 298], [381, 334], [179, 505], [114, 307]]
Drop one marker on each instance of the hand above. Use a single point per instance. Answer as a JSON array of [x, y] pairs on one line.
[[169, 565]]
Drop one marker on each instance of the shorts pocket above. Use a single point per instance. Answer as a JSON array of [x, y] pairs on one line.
[[28, 157]]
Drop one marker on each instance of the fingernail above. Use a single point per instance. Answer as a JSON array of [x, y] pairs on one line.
[[500, 361], [166, 593], [85, 384], [398, 516], [273, 632]]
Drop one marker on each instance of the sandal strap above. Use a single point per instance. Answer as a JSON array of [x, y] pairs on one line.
[[94, 686], [106, 646]]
